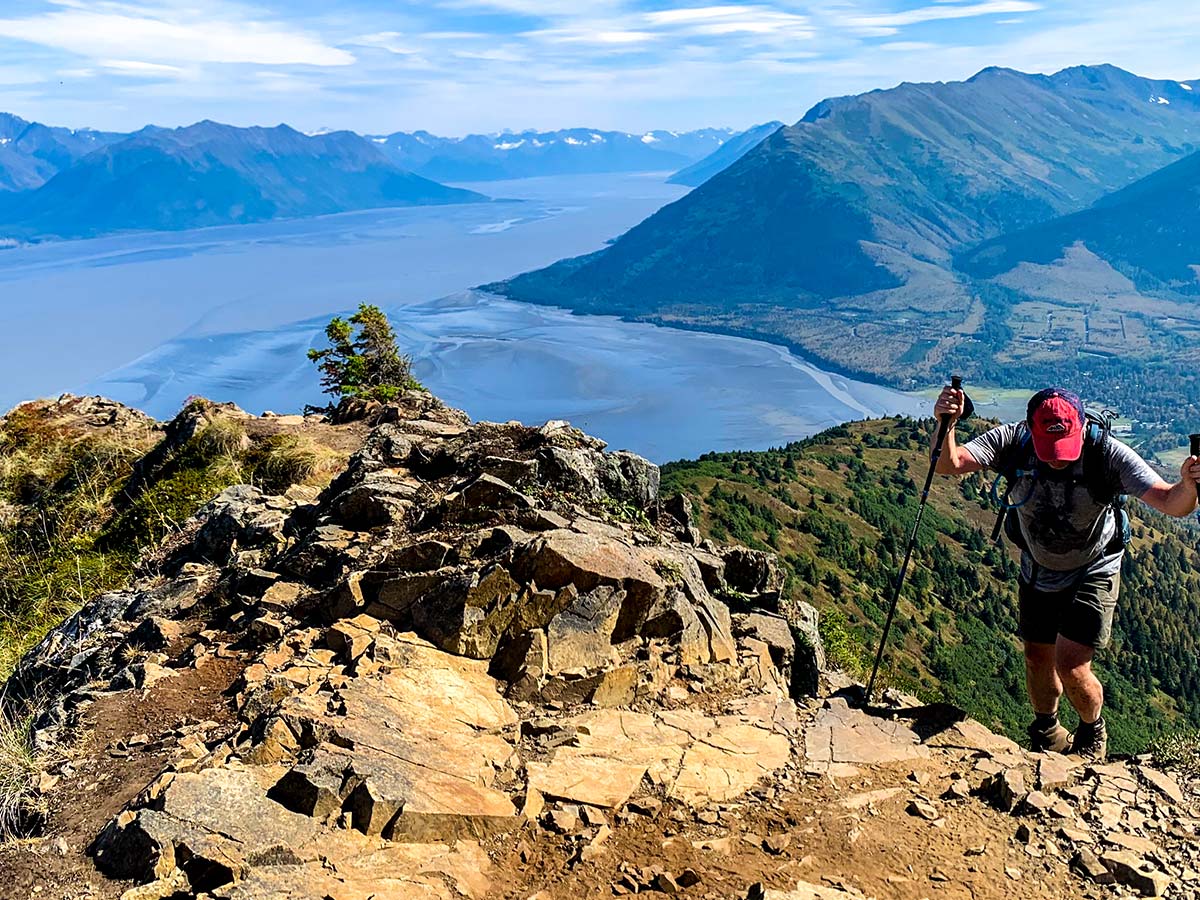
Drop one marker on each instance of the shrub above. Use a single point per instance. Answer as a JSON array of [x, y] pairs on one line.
[[1180, 751], [843, 649]]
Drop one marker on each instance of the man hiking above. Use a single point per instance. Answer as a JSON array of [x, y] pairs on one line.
[[1072, 545]]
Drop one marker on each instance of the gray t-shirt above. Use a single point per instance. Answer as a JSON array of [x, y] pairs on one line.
[[1067, 530]]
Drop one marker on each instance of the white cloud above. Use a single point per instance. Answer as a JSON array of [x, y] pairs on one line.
[[172, 34], [907, 46], [140, 69], [14, 75], [391, 41], [733, 20], [584, 34], [542, 9], [691, 14], [887, 23]]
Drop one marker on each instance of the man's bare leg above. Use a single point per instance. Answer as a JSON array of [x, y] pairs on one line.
[[1042, 677], [1073, 664]]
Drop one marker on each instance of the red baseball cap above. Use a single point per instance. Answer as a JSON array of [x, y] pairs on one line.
[[1056, 421]]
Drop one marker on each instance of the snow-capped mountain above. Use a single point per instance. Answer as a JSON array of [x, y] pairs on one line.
[[525, 154]]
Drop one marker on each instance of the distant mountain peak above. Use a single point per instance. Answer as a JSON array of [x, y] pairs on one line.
[[529, 152], [210, 173]]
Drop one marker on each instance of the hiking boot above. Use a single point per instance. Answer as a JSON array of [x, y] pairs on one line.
[[1051, 738], [1090, 742]]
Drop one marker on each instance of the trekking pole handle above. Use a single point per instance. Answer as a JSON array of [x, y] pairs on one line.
[[956, 384], [1195, 438]]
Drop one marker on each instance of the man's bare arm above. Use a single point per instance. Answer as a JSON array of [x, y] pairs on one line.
[[1177, 499], [955, 460]]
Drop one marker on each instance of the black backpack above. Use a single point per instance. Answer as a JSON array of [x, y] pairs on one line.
[[1018, 459]]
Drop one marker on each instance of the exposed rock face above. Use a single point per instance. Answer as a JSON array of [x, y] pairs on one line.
[[475, 640], [455, 583], [241, 517]]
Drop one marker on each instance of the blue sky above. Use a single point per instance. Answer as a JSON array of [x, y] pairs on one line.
[[457, 66]]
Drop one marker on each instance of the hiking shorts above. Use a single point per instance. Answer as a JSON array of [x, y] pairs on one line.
[[1083, 614]]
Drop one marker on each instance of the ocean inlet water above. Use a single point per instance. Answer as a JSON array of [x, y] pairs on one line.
[[229, 313]]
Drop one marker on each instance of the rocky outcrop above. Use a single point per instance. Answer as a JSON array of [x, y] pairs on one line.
[[474, 628]]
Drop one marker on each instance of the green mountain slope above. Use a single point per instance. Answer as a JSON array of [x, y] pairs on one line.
[[838, 508], [1149, 231], [836, 235]]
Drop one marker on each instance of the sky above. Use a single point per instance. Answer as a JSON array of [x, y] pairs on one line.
[[459, 66]]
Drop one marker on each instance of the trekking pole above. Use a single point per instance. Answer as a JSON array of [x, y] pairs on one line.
[[943, 428]]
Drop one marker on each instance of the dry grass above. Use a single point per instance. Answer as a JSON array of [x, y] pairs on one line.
[[21, 768], [281, 460], [223, 436]]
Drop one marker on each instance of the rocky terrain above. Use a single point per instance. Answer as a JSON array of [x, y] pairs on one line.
[[488, 660]]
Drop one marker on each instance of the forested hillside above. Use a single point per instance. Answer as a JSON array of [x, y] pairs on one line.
[[838, 507]]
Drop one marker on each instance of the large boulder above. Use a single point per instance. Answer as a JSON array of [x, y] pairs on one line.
[[809, 660], [673, 617], [381, 498], [622, 477], [772, 630], [212, 824], [589, 560], [482, 498], [755, 573], [469, 613], [580, 637], [240, 518]]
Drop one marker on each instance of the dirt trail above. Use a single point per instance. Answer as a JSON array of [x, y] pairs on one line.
[[107, 769]]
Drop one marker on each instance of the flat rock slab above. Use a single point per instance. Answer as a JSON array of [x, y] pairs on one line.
[[971, 735], [1163, 783], [414, 742], [806, 891], [395, 872], [728, 762], [700, 759], [840, 735]]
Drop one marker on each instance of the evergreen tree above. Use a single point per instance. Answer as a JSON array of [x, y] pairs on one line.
[[362, 360]]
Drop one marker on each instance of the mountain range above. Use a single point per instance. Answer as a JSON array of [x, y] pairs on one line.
[[213, 174], [32, 153], [55, 182], [572, 151], [838, 235]]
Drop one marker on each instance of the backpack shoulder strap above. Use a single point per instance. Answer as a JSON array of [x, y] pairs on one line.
[[1015, 456], [1101, 479]]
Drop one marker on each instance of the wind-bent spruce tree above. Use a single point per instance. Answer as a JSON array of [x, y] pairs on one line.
[[362, 360]]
